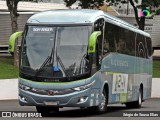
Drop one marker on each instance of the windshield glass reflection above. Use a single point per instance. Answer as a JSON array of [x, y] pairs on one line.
[[56, 51]]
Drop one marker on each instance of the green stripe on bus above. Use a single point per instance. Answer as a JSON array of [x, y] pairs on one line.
[[110, 73]]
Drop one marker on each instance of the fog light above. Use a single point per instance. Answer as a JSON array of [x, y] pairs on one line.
[[23, 98], [82, 99]]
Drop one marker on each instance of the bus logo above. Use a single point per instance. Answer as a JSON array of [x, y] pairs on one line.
[[50, 92]]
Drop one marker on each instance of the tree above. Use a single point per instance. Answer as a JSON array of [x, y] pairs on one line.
[[151, 5], [12, 8], [91, 4], [69, 2]]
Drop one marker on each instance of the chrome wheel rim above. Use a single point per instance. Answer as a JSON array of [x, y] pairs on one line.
[[103, 103], [140, 98]]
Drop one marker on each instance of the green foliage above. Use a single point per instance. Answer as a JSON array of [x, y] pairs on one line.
[[92, 4], [156, 69], [7, 69]]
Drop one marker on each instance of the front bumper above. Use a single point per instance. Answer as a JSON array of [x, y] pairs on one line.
[[90, 96]]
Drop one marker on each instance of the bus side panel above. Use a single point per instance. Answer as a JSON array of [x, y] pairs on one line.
[[143, 65], [124, 78], [143, 75]]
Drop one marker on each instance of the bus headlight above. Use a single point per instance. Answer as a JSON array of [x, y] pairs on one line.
[[80, 88]]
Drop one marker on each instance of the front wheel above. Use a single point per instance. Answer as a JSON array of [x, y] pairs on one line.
[[102, 107], [45, 111]]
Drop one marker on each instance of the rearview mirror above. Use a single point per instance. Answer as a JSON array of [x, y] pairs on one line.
[[12, 41], [92, 42]]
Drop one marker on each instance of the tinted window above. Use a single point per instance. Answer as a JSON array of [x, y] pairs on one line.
[[149, 46], [143, 46], [126, 43], [110, 38]]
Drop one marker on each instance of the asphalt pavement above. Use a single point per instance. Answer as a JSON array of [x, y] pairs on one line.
[[114, 111]]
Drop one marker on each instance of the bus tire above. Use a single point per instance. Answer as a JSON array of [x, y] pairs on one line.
[[45, 111], [138, 103], [102, 107]]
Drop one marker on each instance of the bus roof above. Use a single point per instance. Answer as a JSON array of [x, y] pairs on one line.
[[66, 16], [76, 16]]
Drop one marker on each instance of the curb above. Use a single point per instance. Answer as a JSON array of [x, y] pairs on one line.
[[8, 89]]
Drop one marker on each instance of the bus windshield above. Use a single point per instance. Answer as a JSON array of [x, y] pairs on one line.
[[55, 51]]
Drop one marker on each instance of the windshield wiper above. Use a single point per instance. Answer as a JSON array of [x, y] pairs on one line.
[[49, 60], [62, 65]]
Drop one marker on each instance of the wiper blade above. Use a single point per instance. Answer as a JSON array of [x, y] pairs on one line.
[[64, 69], [48, 60]]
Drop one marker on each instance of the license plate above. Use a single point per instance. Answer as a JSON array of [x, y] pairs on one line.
[[51, 103]]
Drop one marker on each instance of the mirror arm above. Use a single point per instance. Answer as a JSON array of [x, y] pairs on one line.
[[12, 40], [92, 42]]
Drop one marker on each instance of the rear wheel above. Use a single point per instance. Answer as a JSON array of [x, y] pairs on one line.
[[45, 111], [138, 103], [102, 107]]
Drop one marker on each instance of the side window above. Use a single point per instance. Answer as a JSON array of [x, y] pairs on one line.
[[126, 43], [121, 44], [141, 50], [149, 46], [111, 37]]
